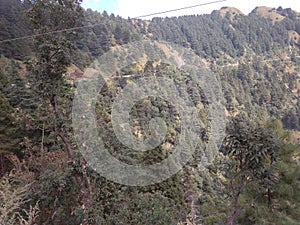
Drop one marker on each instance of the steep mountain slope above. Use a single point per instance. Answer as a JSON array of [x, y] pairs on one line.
[[256, 59]]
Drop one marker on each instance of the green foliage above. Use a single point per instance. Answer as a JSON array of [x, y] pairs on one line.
[[287, 190], [221, 34], [252, 184], [249, 147], [284, 207], [107, 31], [130, 206], [246, 53], [53, 52], [252, 153], [57, 195], [14, 24], [13, 86], [47, 70], [9, 130]]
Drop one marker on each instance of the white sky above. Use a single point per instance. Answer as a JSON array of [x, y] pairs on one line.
[[134, 8]]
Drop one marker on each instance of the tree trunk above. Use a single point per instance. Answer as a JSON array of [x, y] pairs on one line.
[[236, 206], [236, 209], [1, 164], [270, 198], [83, 180]]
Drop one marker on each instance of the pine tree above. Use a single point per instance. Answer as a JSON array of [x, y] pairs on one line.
[[14, 88], [8, 128], [10, 133]]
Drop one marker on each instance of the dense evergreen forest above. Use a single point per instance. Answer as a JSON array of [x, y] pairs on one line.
[[254, 178]]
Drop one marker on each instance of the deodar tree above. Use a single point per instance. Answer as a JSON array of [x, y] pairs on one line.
[[54, 44], [53, 47]]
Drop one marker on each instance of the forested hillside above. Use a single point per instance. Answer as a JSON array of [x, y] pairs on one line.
[[254, 177]]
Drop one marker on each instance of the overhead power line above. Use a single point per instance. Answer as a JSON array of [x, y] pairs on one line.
[[174, 10], [93, 25]]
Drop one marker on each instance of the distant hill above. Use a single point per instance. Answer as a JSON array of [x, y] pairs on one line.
[[231, 10], [269, 13]]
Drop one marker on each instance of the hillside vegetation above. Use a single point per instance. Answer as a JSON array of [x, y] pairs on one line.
[[254, 177]]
